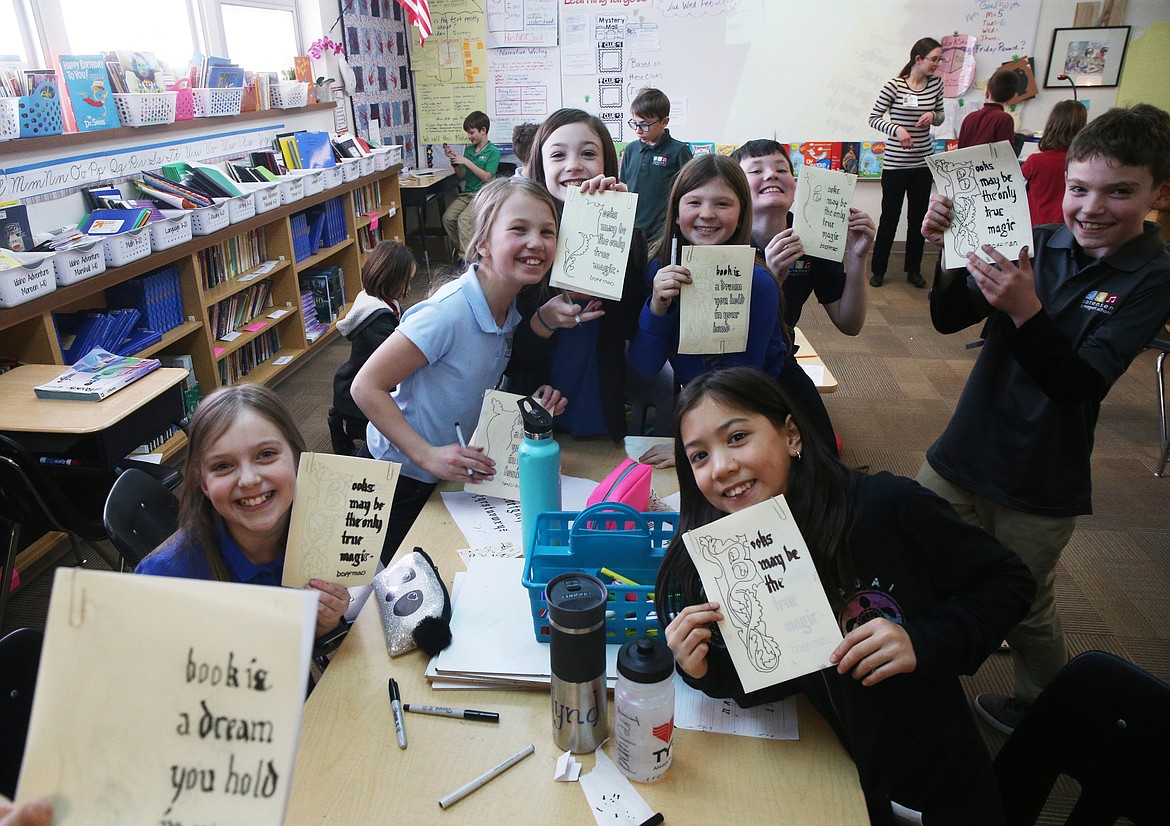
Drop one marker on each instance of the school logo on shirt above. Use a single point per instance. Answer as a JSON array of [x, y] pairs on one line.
[[659, 160], [869, 604], [799, 267], [1100, 301]]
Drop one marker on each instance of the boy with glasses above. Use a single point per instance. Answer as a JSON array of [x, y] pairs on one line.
[[649, 165]]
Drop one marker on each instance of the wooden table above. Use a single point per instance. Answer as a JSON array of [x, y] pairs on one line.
[[98, 434], [350, 770], [807, 356], [418, 192]]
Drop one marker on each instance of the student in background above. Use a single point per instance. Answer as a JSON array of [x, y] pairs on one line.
[[991, 123], [1044, 170], [1059, 328], [579, 346], [474, 168], [649, 165], [453, 347], [236, 498], [839, 287], [905, 109], [522, 135], [920, 596], [386, 277], [709, 205]]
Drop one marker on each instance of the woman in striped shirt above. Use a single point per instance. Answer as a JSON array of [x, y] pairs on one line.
[[906, 108]]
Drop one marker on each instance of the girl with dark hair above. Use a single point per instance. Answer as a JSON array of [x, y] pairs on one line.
[[920, 596], [575, 343], [236, 497], [1044, 170], [905, 109], [386, 277]]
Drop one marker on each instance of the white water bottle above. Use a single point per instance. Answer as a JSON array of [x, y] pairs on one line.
[[644, 709]]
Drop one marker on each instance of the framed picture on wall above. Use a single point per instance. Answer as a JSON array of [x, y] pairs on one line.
[[1088, 57]]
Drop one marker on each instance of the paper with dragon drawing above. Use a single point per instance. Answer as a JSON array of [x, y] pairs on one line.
[[989, 202], [499, 432], [338, 519], [714, 307], [191, 708], [777, 622], [594, 243], [820, 211]]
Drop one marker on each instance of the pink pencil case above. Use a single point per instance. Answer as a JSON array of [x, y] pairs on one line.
[[628, 483]]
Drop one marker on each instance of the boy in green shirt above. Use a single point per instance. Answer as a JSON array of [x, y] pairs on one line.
[[474, 168]]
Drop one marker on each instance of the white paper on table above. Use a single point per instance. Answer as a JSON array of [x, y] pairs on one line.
[[500, 550], [696, 711], [821, 211], [491, 628], [814, 371], [989, 202], [612, 799], [567, 769], [499, 431], [161, 658], [593, 243], [777, 620], [489, 520], [714, 309], [637, 445]]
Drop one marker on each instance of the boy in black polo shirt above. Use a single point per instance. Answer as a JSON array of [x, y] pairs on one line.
[[649, 166], [1062, 326]]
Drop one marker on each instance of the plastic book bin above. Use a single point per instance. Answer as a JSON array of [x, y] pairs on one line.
[[590, 540], [217, 103], [351, 170], [265, 196], [366, 165], [291, 188], [207, 220], [184, 100], [127, 246], [146, 109], [171, 231], [240, 208], [333, 176], [31, 116], [31, 279], [79, 263], [288, 94]]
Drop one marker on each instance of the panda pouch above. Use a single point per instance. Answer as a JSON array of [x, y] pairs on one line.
[[415, 606]]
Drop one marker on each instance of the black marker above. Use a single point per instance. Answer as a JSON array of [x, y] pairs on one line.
[[396, 708]]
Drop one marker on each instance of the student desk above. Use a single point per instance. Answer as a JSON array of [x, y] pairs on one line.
[[98, 434], [419, 192], [350, 770]]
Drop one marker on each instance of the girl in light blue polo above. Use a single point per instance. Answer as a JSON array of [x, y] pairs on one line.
[[454, 346]]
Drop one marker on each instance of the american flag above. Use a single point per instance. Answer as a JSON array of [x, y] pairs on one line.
[[420, 15]]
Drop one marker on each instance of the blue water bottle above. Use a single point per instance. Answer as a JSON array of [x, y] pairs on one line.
[[539, 461]]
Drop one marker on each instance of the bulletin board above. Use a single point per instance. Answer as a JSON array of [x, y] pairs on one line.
[[733, 69]]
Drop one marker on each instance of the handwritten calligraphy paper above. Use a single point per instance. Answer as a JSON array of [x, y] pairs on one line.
[[499, 432], [191, 706], [821, 211], [989, 202], [714, 307], [338, 519], [594, 242], [777, 622]]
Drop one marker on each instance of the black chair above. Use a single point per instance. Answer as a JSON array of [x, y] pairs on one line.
[[30, 496], [20, 656], [1161, 343], [506, 169], [140, 513], [1103, 722], [345, 432]]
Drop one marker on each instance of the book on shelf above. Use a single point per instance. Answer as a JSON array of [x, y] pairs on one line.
[[113, 221], [86, 105], [97, 375], [225, 77], [327, 285], [15, 231], [141, 72], [303, 71], [315, 150]]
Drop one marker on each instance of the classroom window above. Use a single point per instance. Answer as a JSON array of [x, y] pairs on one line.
[[13, 43], [161, 26], [243, 26]]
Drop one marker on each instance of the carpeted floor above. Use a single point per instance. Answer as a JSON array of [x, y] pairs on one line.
[[899, 381]]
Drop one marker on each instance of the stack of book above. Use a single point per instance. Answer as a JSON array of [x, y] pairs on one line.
[[314, 329], [233, 313], [327, 286], [97, 375], [117, 331], [156, 296], [334, 232]]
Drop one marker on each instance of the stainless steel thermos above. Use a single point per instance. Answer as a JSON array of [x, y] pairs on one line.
[[576, 615]]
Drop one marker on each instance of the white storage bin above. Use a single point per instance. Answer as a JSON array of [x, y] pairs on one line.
[[127, 246], [351, 169], [314, 181], [333, 177], [291, 188], [265, 197], [381, 159], [366, 165], [214, 103], [171, 231], [32, 279], [240, 208], [288, 94], [79, 263], [147, 109], [207, 220]]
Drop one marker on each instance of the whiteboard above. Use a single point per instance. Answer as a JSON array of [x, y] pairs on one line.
[[742, 69]]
